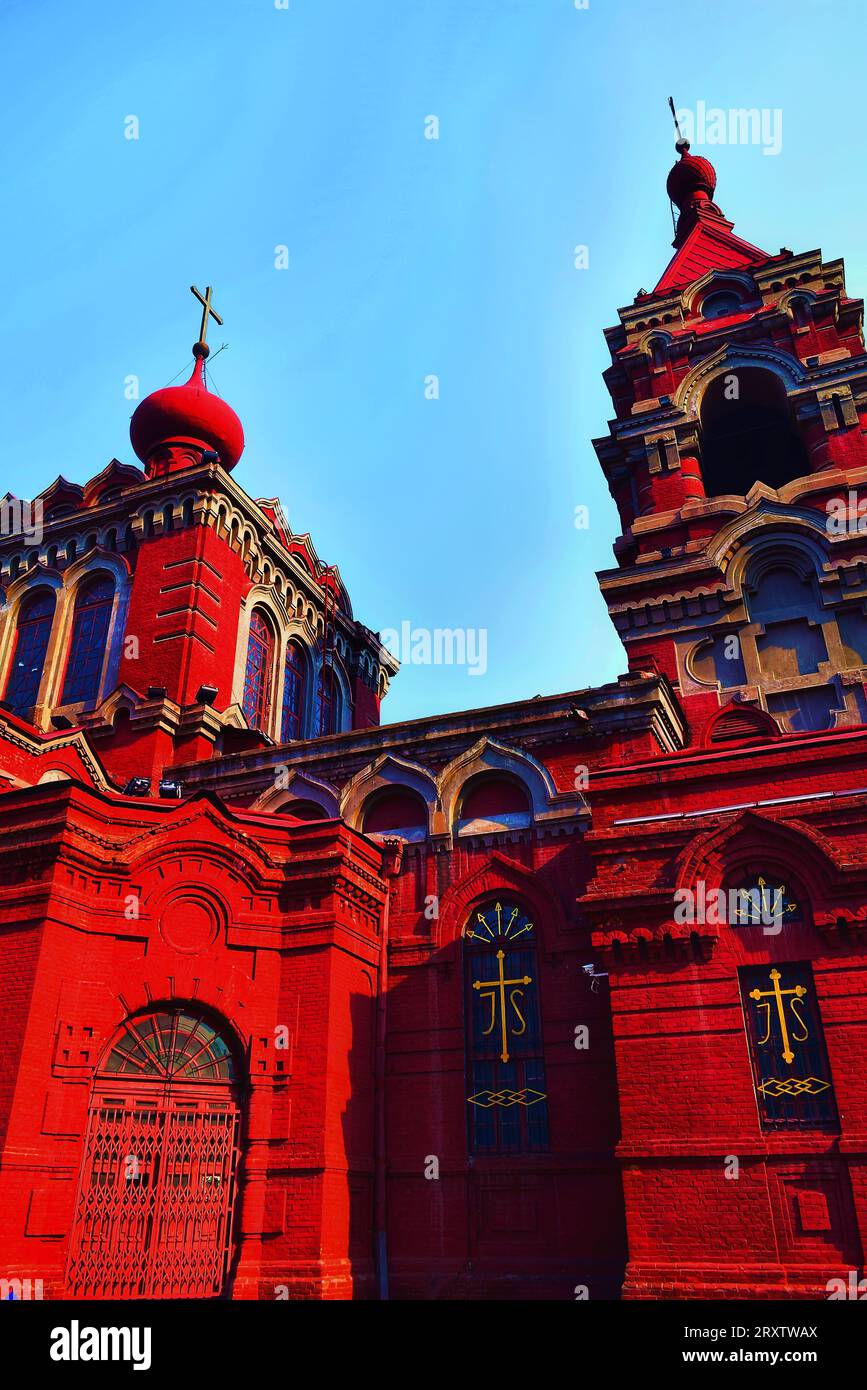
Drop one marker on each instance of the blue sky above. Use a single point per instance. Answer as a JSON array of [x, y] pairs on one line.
[[304, 127]]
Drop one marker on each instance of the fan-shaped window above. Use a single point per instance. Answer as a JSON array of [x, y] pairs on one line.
[[293, 694], [398, 812], [173, 1045], [505, 1068], [766, 899], [257, 675], [737, 723], [35, 617], [747, 433], [493, 802], [88, 639]]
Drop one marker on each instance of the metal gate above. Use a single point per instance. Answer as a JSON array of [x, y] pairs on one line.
[[156, 1196]]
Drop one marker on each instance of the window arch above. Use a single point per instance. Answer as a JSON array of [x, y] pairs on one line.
[[748, 434], [505, 1067], [91, 621], [292, 719], [258, 671], [33, 632]]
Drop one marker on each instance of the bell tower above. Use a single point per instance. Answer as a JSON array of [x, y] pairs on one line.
[[736, 459]]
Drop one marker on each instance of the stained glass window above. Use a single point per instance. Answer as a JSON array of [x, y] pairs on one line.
[[35, 617], [787, 1047], [171, 1044], [293, 693], [326, 703], [90, 624], [766, 900], [505, 1072], [257, 676]]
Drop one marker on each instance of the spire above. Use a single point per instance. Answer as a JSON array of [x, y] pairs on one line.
[[690, 186], [703, 238]]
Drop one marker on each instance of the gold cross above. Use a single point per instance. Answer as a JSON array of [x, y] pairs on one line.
[[500, 985], [207, 311], [777, 994]]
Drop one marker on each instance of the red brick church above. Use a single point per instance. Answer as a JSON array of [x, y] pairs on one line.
[[559, 999]]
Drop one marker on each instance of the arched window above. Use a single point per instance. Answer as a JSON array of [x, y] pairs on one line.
[[35, 617], [720, 305], [327, 702], [799, 308], [258, 672], [505, 1066], [656, 348], [305, 810], [396, 811], [87, 643], [748, 434], [293, 693], [493, 802]]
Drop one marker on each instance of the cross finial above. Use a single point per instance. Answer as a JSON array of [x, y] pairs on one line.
[[201, 349], [680, 144]]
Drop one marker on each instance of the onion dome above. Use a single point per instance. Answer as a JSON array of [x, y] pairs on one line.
[[172, 428], [692, 179]]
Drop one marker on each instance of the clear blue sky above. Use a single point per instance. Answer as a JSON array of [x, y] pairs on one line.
[[408, 257]]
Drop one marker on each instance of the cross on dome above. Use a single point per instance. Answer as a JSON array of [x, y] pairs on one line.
[[175, 427]]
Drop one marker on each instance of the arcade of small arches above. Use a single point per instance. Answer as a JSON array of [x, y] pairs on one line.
[[489, 790], [173, 514]]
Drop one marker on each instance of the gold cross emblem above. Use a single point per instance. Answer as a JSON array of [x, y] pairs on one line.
[[777, 995], [207, 312], [497, 987]]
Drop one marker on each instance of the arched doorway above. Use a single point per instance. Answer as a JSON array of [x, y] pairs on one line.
[[156, 1194]]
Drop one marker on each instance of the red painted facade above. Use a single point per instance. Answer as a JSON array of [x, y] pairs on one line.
[[298, 1005]]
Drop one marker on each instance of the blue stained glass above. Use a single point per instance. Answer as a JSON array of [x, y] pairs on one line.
[[506, 1098], [293, 694], [257, 675], [90, 626], [31, 645]]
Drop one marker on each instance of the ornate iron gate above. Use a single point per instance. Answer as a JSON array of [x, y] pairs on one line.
[[156, 1196]]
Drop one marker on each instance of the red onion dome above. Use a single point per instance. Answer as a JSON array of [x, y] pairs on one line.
[[188, 414], [690, 176]]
